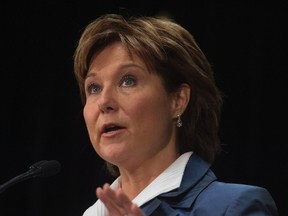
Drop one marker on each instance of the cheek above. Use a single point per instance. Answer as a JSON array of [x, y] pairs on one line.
[[85, 114], [89, 115], [151, 109]]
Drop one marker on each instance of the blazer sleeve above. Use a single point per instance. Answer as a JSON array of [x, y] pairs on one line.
[[254, 201], [235, 200]]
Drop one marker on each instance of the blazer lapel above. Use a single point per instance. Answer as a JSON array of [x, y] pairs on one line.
[[197, 176]]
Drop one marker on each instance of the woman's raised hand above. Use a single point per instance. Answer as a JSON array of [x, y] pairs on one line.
[[117, 202]]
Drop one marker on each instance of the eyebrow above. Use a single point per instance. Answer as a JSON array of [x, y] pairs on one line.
[[93, 74]]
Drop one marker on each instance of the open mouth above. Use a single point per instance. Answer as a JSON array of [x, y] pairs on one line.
[[110, 128]]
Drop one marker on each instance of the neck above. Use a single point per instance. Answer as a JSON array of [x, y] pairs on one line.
[[133, 181]]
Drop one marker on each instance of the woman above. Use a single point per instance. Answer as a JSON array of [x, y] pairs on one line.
[[152, 112]]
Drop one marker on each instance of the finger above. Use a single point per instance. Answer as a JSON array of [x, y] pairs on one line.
[[123, 200], [108, 197], [117, 202], [101, 195], [131, 208], [136, 211]]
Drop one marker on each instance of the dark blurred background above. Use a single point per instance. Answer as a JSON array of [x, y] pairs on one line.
[[41, 111]]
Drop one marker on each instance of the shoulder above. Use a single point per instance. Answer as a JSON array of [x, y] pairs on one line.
[[233, 190], [236, 199]]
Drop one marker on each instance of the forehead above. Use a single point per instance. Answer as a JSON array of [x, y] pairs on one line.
[[114, 54]]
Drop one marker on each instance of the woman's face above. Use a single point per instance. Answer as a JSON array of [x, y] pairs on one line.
[[128, 113]]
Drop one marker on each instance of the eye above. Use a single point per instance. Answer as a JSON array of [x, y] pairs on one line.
[[128, 81], [93, 88]]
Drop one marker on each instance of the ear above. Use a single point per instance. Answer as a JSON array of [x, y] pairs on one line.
[[181, 99]]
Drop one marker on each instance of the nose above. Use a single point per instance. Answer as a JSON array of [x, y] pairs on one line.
[[107, 102]]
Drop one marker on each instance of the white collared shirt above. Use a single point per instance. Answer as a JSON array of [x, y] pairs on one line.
[[168, 180]]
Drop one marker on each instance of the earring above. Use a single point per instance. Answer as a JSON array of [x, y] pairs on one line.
[[179, 121]]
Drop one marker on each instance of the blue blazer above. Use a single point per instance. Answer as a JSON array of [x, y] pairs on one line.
[[202, 195]]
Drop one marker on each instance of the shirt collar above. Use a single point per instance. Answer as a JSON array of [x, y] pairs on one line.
[[168, 180]]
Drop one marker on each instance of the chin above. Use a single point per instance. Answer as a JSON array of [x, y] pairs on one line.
[[114, 157]]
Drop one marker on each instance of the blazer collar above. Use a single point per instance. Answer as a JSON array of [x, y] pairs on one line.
[[197, 176], [195, 170]]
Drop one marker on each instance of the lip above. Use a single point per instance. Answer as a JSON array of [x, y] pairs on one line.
[[112, 133]]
